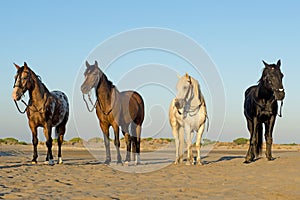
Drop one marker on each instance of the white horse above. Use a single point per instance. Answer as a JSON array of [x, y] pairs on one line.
[[187, 114]]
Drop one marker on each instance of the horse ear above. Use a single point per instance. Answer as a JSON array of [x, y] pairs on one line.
[[266, 64], [178, 76], [187, 75], [17, 66], [96, 63], [25, 65], [279, 63], [87, 64]]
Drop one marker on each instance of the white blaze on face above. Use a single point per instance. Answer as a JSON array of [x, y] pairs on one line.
[[15, 90], [14, 94]]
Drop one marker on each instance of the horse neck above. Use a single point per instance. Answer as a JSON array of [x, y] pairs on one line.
[[196, 98], [264, 93], [103, 91], [39, 92]]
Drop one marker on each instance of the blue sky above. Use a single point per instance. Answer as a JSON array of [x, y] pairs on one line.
[[55, 38]]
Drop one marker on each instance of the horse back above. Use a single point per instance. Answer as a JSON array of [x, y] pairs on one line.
[[59, 107], [132, 107], [249, 102]]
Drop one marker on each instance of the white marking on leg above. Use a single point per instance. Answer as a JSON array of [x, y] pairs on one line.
[[60, 161], [137, 159]]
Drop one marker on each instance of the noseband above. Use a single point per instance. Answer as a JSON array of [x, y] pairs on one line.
[[191, 108], [23, 88]]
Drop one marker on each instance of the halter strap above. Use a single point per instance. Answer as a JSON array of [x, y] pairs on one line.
[[95, 105]]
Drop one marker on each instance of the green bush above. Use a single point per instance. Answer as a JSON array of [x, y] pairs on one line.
[[76, 140], [208, 142], [10, 141], [96, 140], [291, 144], [148, 139], [240, 141], [22, 143]]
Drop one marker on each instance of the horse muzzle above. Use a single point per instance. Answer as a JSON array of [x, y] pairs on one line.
[[279, 94], [85, 89], [16, 95], [179, 103]]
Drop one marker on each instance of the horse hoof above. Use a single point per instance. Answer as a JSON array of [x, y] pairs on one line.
[[60, 161], [247, 161], [199, 163], [34, 162], [271, 159], [188, 163], [137, 163], [107, 162], [119, 162], [50, 162]]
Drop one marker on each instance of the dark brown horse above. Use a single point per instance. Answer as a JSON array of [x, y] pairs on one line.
[[114, 108], [260, 107], [45, 109]]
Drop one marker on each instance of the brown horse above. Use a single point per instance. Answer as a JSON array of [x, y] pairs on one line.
[[45, 109], [114, 108]]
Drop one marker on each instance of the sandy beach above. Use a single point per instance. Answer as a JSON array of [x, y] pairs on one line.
[[83, 175]]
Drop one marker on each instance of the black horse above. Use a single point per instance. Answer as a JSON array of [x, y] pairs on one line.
[[260, 107]]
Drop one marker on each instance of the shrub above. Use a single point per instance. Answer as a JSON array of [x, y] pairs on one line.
[[76, 140], [208, 142], [291, 144], [240, 141], [22, 143], [148, 139], [10, 141], [96, 140]]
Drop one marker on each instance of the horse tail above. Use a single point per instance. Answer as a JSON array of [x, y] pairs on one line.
[[207, 123], [259, 143]]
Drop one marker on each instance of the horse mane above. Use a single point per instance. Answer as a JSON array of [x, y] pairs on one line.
[[37, 78], [197, 91], [108, 82]]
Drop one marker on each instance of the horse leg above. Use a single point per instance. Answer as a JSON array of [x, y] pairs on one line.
[[138, 131], [117, 142], [269, 139], [105, 130], [190, 159], [198, 143], [175, 133], [60, 132], [134, 140], [35, 142], [181, 144], [252, 129], [128, 145], [47, 132]]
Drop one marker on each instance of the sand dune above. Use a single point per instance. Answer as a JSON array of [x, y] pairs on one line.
[[83, 176]]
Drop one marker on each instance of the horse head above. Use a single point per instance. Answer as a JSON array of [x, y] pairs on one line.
[[22, 81], [272, 79], [92, 76], [188, 92]]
